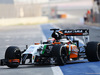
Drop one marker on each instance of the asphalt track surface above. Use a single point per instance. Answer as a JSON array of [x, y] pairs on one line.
[[23, 35]]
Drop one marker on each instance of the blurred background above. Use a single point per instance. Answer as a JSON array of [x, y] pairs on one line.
[[13, 12]]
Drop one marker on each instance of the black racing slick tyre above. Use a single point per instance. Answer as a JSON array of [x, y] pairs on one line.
[[13, 52], [93, 51], [60, 53]]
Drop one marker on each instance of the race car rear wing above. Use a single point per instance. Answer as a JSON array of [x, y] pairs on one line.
[[77, 32]]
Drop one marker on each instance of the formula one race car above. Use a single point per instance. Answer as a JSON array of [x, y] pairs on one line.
[[56, 50]]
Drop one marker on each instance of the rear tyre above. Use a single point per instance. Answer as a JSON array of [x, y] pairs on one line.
[[93, 51], [13, 52], [60, 53]]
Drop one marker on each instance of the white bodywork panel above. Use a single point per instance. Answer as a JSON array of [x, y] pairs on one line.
[[33, 49]]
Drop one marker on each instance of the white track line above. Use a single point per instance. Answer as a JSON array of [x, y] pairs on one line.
[[55, 69]]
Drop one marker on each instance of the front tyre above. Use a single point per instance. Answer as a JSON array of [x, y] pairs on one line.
[[60, 53], [11, 53], [93, 51]]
